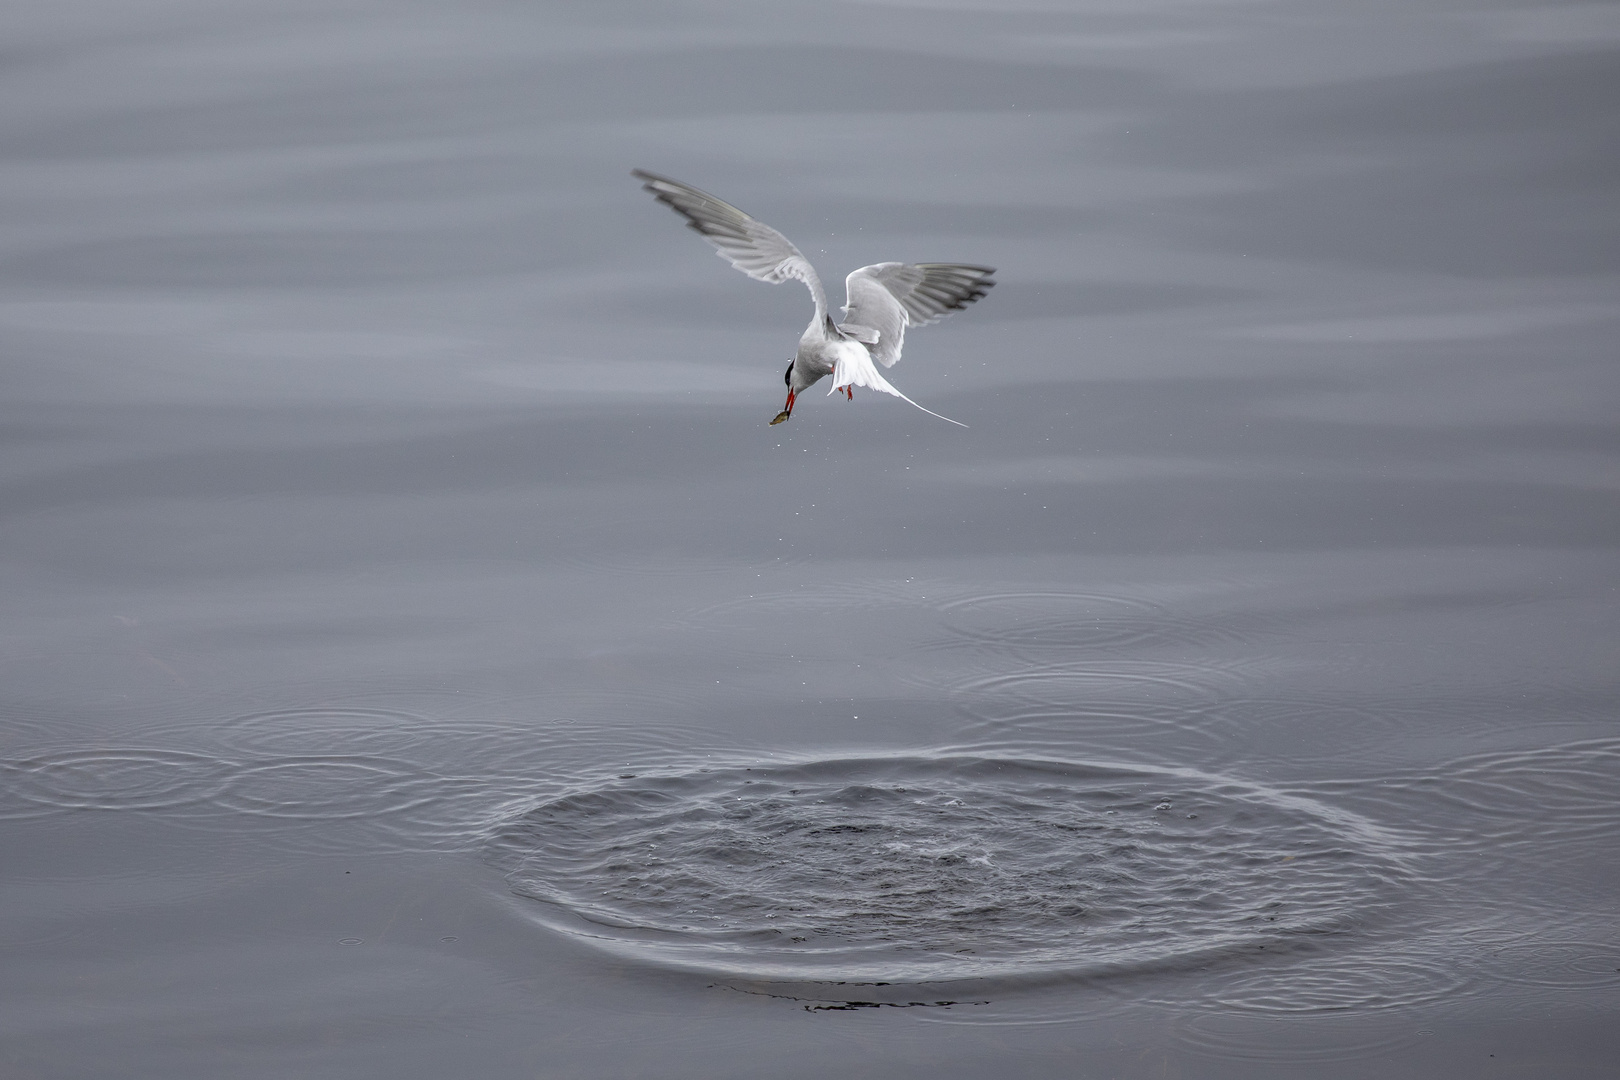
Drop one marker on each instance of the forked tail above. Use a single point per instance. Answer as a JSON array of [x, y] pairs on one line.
[[854, 367]]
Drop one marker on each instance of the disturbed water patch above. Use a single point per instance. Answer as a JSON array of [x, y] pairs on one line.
[[948, 867]]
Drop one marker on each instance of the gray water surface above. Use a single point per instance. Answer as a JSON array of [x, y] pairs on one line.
[[421, 659]]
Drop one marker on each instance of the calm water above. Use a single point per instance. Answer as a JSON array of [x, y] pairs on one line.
[[421, 659]]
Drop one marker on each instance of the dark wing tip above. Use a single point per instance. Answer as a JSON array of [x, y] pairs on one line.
[[663, 188], [953, 286], [690, 203], [649, 181]]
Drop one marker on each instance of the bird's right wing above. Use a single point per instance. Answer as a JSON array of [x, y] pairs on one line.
[[751, 246], [885, 298]]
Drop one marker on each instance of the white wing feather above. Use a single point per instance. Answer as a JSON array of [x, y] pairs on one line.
[[885, 298]]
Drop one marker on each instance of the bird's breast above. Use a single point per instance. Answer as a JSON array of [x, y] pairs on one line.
[[818, 358]]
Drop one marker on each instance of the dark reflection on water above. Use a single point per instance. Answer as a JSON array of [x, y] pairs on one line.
[[392, 542]]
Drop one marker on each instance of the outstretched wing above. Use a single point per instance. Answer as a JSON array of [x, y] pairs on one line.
[[886, 298], [751, 246], [853, 367]]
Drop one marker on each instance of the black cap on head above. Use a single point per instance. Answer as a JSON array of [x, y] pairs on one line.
[[787, 376]]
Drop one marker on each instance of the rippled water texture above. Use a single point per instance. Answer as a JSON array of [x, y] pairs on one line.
[[969, 869], [421, 658]]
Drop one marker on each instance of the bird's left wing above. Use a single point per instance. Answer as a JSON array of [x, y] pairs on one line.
[[751, 246], [885, 298]]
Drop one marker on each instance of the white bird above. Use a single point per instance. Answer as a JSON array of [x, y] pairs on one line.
[[882, 299]]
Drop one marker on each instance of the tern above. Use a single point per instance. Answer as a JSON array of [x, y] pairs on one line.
[[882, 300]]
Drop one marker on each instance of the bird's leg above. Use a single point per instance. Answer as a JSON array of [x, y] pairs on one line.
[[849, 394], [787, 410]]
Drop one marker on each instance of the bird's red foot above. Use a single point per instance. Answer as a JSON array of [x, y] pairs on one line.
[[849, 394]]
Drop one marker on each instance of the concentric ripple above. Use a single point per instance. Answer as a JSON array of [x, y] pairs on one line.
[[1574, 782], [1041, 623], [932, 868], [1558, 965], [1343, 981], [328, 788], [1335, 1036], [350, 729], [122, 779]]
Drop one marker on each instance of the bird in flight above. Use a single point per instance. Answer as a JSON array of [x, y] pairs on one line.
[[882, 299]]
